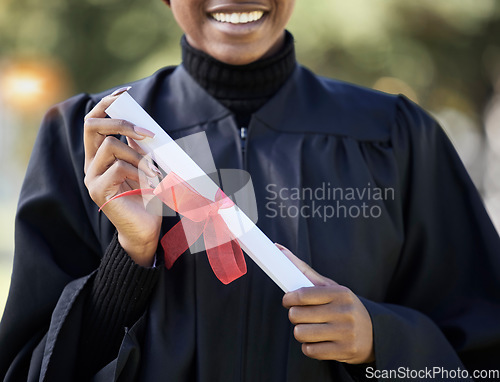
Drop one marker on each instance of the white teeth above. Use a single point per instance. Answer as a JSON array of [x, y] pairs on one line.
[[238, 18], [235, 18], [244, 18]]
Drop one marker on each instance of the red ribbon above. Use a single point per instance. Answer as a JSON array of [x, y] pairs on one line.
[[200, 216]]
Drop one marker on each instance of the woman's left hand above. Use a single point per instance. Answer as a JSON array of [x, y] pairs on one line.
[[330, 320]]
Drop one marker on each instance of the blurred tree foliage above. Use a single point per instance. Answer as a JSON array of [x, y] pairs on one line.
[[439, 52], [446, 51], [98, 41]]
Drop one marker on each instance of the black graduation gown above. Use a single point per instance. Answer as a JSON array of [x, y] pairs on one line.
[[427, 268]]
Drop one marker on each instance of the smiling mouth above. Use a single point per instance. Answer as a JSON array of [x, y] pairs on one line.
[[237, 17]]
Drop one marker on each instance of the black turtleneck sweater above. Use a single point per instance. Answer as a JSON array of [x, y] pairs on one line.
[[242, 89], [121, 289]]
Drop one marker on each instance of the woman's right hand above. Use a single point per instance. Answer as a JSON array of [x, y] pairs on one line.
[[113, 167]]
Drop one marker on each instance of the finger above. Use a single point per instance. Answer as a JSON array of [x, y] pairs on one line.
[[119, 91], [104, 187], [309, 333], [119, 173], [110, 126], [318, 314], [97, 129], [98, 111], [122, 177], [327, 351], [119, 178], [310, 273], [113, 149], [135, 146], [318, 296]]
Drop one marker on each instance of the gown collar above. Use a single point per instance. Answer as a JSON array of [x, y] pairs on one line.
[[306, 104]]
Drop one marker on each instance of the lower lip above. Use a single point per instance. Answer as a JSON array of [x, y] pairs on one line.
[[243, 28]]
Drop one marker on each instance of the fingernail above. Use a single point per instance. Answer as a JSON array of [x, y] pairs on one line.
[[121, 90], [153, 168], [145, 132]]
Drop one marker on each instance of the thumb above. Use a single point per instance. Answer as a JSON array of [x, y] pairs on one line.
[[311, 274]]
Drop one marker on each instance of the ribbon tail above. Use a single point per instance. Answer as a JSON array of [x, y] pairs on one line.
[[179, 238], [223, 251], [139, 191]]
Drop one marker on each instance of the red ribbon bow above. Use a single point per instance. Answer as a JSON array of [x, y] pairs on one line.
[[200, 216]]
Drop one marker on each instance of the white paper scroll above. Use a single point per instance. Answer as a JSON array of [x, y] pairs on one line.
[[170, 157]]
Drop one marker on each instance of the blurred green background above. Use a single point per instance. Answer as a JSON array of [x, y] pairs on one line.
[[443, 54]]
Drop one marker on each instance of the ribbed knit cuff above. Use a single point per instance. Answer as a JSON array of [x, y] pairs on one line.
[[119, 296]]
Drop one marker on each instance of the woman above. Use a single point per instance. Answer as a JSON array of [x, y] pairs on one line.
[[413, 285]]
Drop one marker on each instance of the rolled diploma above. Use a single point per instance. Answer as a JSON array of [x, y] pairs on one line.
[[170, 157]]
